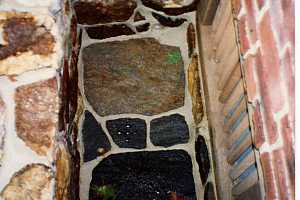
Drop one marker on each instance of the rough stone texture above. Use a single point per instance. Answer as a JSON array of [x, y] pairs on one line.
[[26, 43], [37, 114], [63, 173], [128, 132], [202, 157], [172, 7], [143, 27], [2, 128], [195, 90], [168, 21], [95, 141], [137, 76], [138, 17], [191, 39], [108, 31], [209, 193], [145, 175], [169, 130], [31, 182], [104, 11]]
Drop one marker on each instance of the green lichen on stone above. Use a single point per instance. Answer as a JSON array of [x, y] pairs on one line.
[[174, 57], [107, 192]]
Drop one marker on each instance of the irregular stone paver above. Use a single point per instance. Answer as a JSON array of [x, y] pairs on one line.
[[103, 11], [143, 27], [2, 128], [138, 17], [37, 114], [139, 76], [108, 31], [209, 193], [95, 141], [128, 132], [31, 182], [169, 130], [144, 175], [202, 157], [168, 21], [195, 90], [191, 39]]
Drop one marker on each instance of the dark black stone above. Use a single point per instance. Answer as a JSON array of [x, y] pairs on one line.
[[108, 31], [169, 130], [202, 157], [142, 27], [209, 193], [128, 132], [94, 138], [168, 21], [145, 175]]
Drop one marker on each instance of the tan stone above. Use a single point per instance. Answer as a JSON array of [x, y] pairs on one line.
[[2, 128], [63, 166], [195, 90], [27, 42], [32, 182], [37, 114]]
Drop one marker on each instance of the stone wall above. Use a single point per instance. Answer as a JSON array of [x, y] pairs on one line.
[[36, 155], [267, 42]]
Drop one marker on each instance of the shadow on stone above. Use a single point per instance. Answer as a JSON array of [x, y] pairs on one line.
[[144, 176], [209, 193]]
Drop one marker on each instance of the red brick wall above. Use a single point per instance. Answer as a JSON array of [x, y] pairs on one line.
[[266, 38]]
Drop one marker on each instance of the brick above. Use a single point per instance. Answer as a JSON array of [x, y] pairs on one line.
[[259, 137], [244, 40], [260, 3], [251, 19], [249, 66], [289, 19], [236, 4], [268, 97], [289, 146], [269, 176], [283, 180]]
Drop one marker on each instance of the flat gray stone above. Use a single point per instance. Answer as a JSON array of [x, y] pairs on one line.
[[139, 76]]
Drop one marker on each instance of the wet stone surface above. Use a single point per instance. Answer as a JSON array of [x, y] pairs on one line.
[[95, 141], [144, 176], [95, 12], [108, 31], [202, 157], [138, 76], [171, 7], [128, 132], [169, 130], [168, 21]]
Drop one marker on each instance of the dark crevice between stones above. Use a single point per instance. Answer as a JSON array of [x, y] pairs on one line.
[[128, 132], [96, 12], [143, 176], [143, 27], [168, 21], [209, 192], [108, 31], [202, 157], [95, 141], [169, 130], [159, 6]]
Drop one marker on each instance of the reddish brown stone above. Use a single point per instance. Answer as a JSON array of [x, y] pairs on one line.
[[22, 34], [94, 12], [138, 17], [171, 9], [260, 3], [37, 114], [168, 21], [251, 22], [243, 36], [31, 182], [236, 4], [108, 31], [259, 137], [269, 176], [191, 39], [251, 84], [283, 175], [2, 128]]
